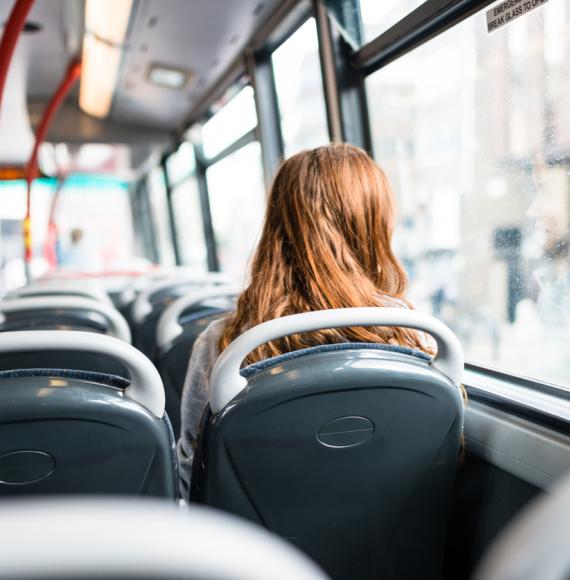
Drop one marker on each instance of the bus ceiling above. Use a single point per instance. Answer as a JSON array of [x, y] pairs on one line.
[[153, 66]]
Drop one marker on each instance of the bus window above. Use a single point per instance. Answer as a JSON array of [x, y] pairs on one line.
[[299, 87], [106, 229], [233, 120], [181, 163], [12, 212], [188, 223], [472, 129], [377, 17], [237, 198], [158, 203]]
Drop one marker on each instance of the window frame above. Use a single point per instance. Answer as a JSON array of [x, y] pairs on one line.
[[199, 174], [421, 25], [141, 210], [203, 163]]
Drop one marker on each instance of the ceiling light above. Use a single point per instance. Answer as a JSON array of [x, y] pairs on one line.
[[108, 19], [106, 23], [166, 76]]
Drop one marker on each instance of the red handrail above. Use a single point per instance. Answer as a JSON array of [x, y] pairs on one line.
[[12, 30], [71, 76]]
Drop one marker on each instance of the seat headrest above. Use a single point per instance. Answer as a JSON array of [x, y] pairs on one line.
[[92, 376], [255, 368]]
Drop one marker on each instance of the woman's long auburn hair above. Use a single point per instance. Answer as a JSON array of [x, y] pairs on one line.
[[325, 243]]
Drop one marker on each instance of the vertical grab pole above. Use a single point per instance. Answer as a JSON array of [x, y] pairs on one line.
[[12, 31], [71, 76]]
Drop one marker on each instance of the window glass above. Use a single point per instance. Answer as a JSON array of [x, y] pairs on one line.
[[299, 87], [189, 224], [12, 213], [237, 199], [107, 240], [181, 163], [378, 16], [94, 226], [232, 121], [159, 215], [473, 130]]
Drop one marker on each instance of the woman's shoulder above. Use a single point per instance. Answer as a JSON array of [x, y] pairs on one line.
[[212, 333], [205, 349], [216, 326]]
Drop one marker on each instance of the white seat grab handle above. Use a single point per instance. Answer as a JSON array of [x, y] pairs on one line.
[[118, 326], [226, 381], [69, 538], [45, 289], [146, 386], [169, 328]]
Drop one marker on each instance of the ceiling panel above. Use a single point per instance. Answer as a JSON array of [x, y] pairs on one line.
[[38, 62], [203, 36], [46, 50]]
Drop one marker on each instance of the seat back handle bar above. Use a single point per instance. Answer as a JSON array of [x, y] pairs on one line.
[[226, 381], [118, 326], [169, 327], [146, 386]]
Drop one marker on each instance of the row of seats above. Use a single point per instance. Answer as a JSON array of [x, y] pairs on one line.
[[49, 372], [349, 450], [166, 318], [81, 410]]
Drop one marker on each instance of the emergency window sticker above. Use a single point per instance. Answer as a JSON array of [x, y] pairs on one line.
[[509, 10]]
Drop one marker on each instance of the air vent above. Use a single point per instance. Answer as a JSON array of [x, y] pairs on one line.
[[29, 27]]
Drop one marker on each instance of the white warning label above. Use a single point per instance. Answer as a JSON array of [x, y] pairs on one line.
[[508, 10]]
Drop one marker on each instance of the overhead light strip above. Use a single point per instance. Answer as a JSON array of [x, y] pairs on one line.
[[106, 23]]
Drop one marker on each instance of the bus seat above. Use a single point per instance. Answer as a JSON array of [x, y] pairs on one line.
[[62, 313], [83, 432], [102, 538], [536, 544], [152, 301], [347, 450], [178, 328], [60, 288], [134, 287]]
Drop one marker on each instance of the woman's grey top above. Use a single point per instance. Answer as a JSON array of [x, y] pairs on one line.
[[197, 388], [195, 398]]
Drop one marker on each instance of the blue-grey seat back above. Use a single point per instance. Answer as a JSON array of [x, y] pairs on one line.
[[348, 450], [54, 319], [144, 331], [74, 432]]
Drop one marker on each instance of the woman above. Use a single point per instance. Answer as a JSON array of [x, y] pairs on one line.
[[325, 243]]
